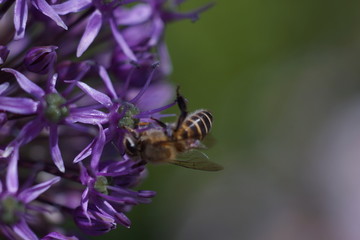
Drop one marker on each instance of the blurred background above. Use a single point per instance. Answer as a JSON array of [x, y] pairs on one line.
[[282, 79]]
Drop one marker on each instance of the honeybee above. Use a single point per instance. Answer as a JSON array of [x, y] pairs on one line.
[[175, 143]]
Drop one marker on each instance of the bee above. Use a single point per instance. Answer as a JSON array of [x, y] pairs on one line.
[[176, 143]]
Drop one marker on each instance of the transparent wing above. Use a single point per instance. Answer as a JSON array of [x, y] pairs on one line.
[[195, 159]]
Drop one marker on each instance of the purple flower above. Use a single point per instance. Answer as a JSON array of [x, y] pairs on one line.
[[122, 113], [16, 203], [21, 15], [18, 105], [104, 11], [82, 109], [53, 109], [103, 203]]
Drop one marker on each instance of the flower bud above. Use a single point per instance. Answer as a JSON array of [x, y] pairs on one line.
[[40, 59]]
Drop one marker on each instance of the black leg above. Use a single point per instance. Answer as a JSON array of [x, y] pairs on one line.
[[160, 123], [183, 108]]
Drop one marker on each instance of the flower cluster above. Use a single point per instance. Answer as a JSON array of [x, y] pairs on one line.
[[75, 75]]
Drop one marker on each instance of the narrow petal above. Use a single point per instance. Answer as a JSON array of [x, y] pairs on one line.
[[85, 202], [95, 94], [87, 116], [52, 83], [12, 181], [121, 41], [166, 65], [98, 149], [23, 230], [58, 236], [91, 31], [136, 15], [71, 6], [54, 148], [106, 79], [20, 18], [47, 10], [28, 132], [26, 84], [30, 194], [84, 176], [122, 219], [18, 105], [85, 152], [158, 29], [3, 87]]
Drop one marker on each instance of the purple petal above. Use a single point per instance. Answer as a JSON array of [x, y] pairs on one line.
[[95, 94], [71, 6], [146, 194], [27, 85], [18, 105], [54, 148], [7, 232], [192, 15], [20, 18], [24, 232], [47, 10], [155, 96], [85, 202], [12, 182], [87, 116], [4, 53], [3, 87], [145, 87], [122, 219], [52, 83], [165, 66], [136, 15], [58, 236], [85, 152], [158, 29], [106, 79], [29, 132], [30, 194], [98, 148], [84, 176], [99, 223], [121, 41], [91, 31]]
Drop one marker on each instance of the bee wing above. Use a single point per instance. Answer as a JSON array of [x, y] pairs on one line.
[[196, 160]]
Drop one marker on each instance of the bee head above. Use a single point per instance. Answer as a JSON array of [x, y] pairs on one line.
[[130, 145]]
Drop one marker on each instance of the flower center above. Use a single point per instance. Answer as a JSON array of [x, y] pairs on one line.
[[128, 120], [55, 110], [10, 210], [101, 184]]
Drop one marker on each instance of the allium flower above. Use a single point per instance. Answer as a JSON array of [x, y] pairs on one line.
[[63, 118], [16, 204], [103, 203], [21, 15]]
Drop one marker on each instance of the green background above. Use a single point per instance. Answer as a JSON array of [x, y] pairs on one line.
[[273, 73]]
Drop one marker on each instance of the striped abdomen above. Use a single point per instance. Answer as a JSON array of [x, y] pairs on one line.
[[195, 126]]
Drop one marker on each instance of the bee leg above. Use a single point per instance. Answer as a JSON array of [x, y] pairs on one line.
[[183, 108], [160, 123]]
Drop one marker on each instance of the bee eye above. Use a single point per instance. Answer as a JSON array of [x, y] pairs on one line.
[[130, 146]]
